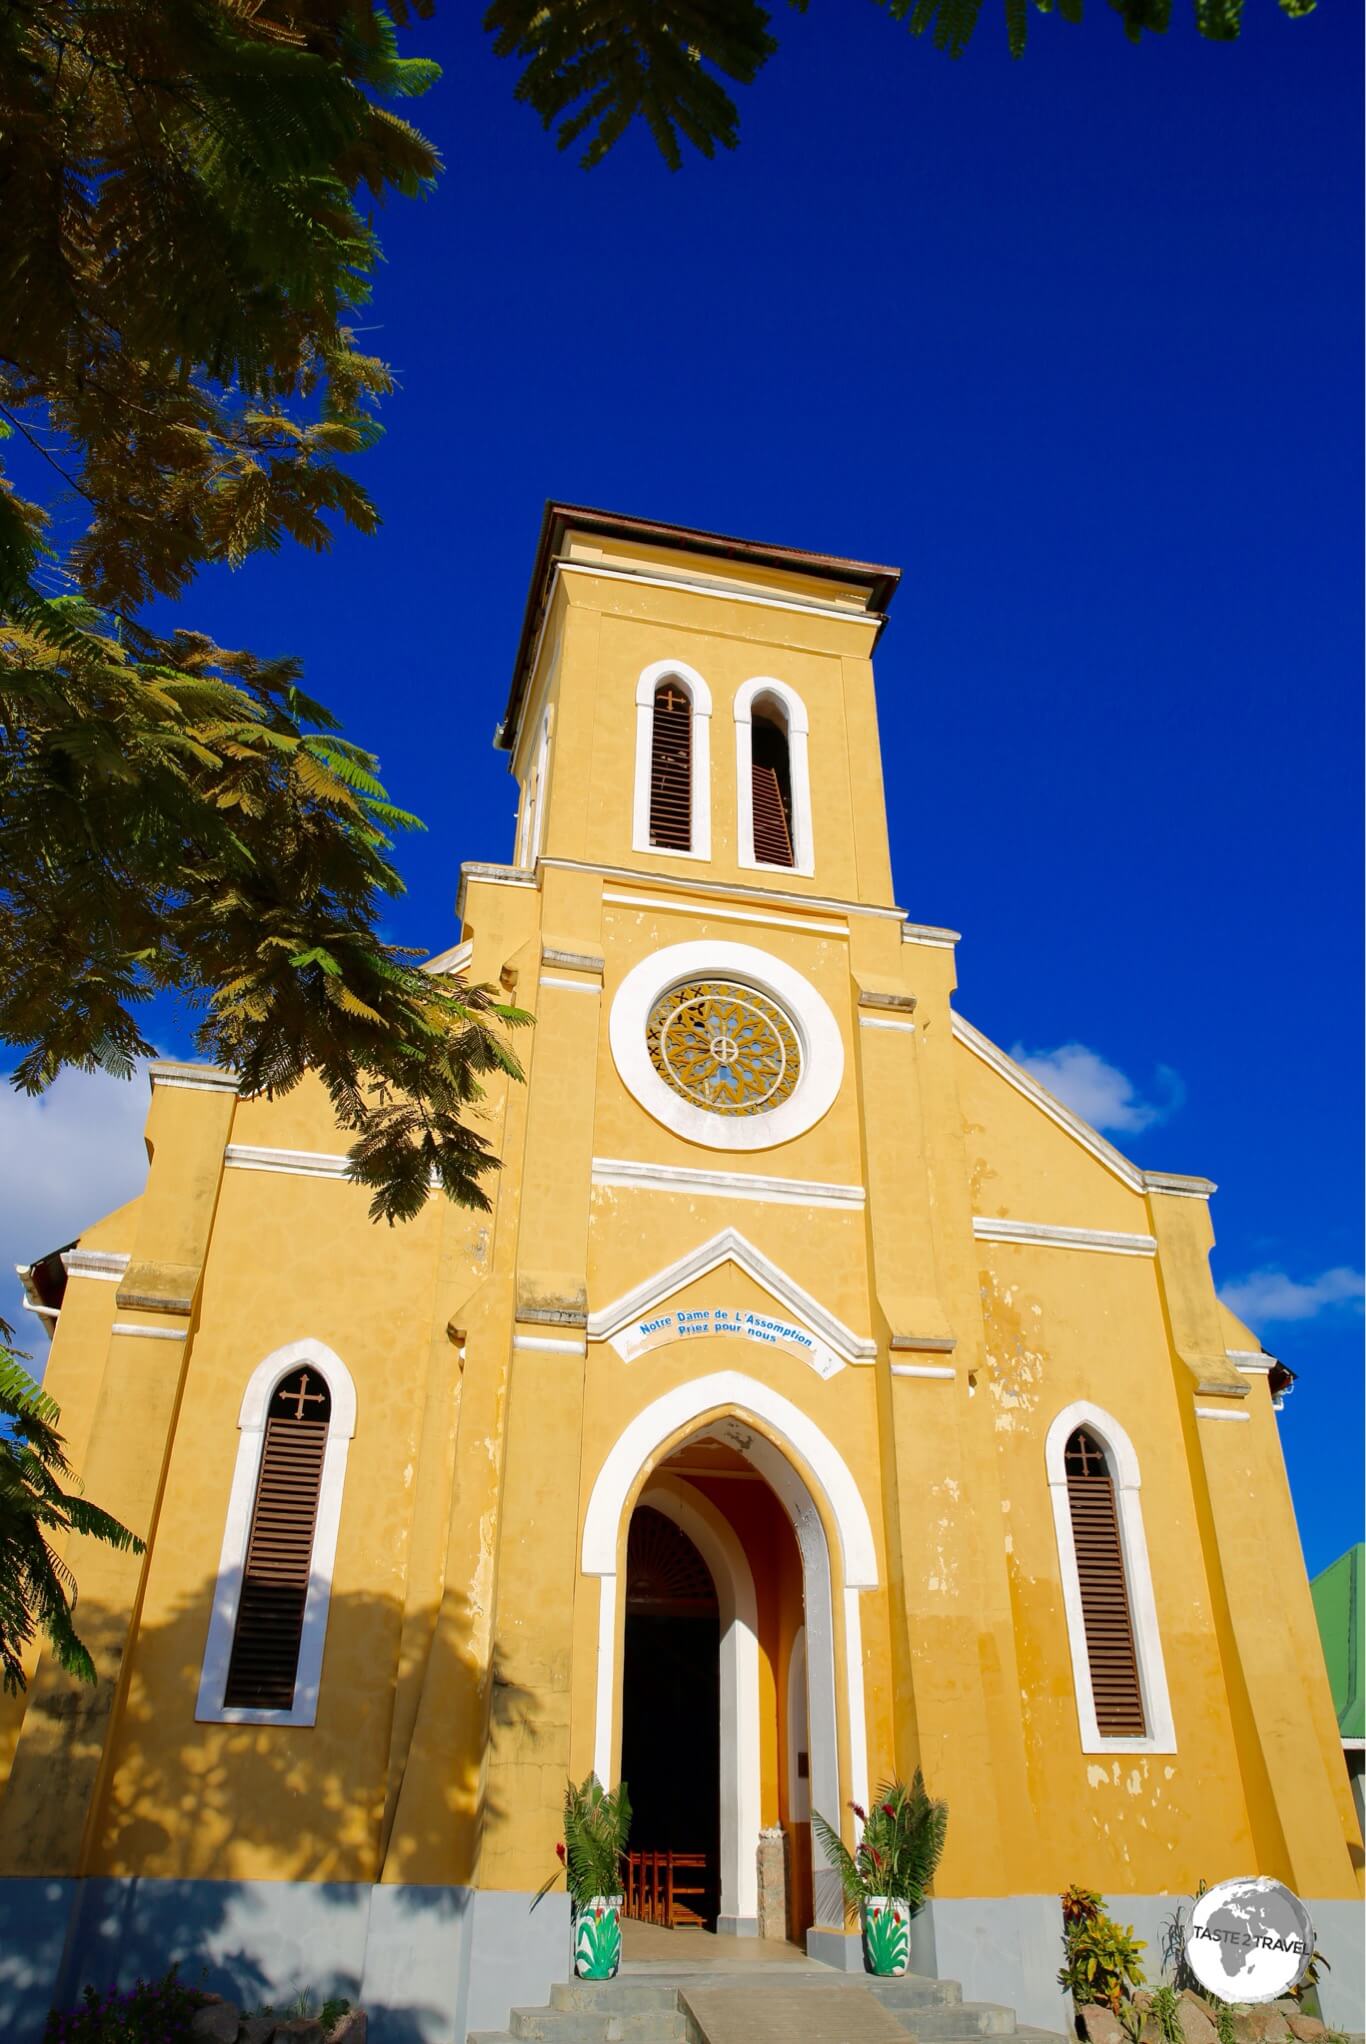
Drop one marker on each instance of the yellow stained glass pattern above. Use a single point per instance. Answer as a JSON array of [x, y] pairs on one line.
[[724, 1046]]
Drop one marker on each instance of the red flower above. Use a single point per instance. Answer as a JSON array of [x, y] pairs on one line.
[[876, 1912], [888, 1810], [861, 1814], [598, 1915], [559, 1853]]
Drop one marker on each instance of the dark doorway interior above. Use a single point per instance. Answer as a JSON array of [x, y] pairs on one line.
[[670, 1734]]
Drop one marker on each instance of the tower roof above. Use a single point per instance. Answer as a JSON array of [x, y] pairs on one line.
[[559, 520]]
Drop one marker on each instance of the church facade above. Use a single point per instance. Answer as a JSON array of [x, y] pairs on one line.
[[821, 1398]]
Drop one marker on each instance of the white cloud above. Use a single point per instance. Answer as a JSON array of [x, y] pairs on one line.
[[1270, 1295], [69, 1157], [1098, 1091]]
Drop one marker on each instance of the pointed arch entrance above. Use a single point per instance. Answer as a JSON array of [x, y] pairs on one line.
[[813, 1485]]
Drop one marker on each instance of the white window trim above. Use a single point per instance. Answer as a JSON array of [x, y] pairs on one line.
[[817, 1030], [699, 695], [251, 1421], [1152, 1674], [798, 725]]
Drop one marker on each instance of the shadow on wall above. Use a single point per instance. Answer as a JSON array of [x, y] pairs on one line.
[[248, 1854]]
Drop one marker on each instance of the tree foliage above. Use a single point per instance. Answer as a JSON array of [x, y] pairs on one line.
[[185, 188], [39, 1502], [591, 67]]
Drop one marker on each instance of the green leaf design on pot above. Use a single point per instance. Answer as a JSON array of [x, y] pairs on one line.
[[597, 1942], [886, 1937]]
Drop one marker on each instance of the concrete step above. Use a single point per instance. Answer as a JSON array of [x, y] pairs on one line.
[[950, 2021], [599, 2026], [914, 1991], [621, 1993], [826, 2013]]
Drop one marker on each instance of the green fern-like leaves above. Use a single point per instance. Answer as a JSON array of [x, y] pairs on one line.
[[40, 1505], [592, 68], [902, 1842]]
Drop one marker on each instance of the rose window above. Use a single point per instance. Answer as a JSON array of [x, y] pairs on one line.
[[724, 1046]]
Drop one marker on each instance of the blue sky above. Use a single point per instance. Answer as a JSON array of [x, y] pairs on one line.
[[1075, 342]]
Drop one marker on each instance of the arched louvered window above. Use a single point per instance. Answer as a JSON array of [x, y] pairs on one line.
[[1106, 1613], [270, 1611], [671, 804], [770, 768], [773, 784], [263, 1658], [671, 769]]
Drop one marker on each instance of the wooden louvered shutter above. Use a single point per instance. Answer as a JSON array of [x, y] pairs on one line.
[[1104, 1591], [772, 838], [270, 1612], [671, 770]]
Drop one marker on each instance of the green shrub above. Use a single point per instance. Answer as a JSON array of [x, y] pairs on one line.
[[152, 2012], [903, 1839], [1102, 1961]]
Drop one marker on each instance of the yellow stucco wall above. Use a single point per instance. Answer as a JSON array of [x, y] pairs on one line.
[[461, 1671]]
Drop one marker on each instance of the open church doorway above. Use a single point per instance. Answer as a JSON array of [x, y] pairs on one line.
[[714, 1725], [670, 1739]]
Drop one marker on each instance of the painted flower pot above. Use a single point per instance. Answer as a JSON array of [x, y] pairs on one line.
[[597, 1938], [886, 1935]]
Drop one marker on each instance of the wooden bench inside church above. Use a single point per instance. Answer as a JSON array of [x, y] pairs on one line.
[[655, 1894]]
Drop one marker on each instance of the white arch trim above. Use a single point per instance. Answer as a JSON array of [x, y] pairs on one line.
[[1152, 1673], [736, 1398], [694, 1400], [716, 1540], [798, 727], [699, 695], [798, 1734], [251, 1421]]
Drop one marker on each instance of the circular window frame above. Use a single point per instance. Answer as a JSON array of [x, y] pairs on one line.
[[818, 1034]]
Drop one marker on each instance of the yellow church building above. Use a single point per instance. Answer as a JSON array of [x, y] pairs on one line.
[[821, 1398]]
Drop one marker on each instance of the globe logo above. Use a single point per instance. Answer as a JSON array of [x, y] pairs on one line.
[[1249, 1940]]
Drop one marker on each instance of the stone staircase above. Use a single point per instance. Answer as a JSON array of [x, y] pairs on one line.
[[762, 2005]]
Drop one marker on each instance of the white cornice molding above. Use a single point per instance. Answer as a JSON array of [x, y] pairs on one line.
[[294, 1163], [771, 921], [496, 876], [1014, 1075], [192, 1078], [1219, 1412], [454, 960], [726, 890], [574, 961], [1043, 1234], [108, 1265], [1178, 1185], [150, 1333], [633, 1173], [931, 935], [1252, 1362], [1129, 1173], [730, 1246], [939, 1372], [725, 592]]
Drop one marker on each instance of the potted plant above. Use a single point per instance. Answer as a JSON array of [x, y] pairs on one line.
[[596, 1824], [885, 1877]]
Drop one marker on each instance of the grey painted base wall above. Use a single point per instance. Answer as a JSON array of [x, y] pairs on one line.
[[428, 1964], [431, 1963]]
